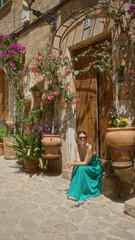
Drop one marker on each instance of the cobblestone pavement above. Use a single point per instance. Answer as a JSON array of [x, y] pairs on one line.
[[35, 207]]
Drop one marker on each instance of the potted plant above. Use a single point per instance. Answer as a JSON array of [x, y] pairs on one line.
[[54, 69], [3, 133], [120, 139], [28, 147]]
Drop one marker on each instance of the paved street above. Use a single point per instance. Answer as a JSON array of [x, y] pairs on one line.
[[35, 207]]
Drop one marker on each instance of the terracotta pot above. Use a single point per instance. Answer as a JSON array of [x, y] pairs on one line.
[[51, 144], [30, 166], [9, 124], [121, 143], [9, 152], [1, 148]]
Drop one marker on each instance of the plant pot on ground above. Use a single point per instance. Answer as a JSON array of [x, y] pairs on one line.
[[3, 133], [29, 148]]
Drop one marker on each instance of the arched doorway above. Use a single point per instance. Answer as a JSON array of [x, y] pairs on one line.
[[96, 96], [3, 96]]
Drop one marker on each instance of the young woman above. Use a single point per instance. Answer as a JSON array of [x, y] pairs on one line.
[[87, 173]]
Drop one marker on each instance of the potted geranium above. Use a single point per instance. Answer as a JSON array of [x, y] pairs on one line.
[[120, 139]]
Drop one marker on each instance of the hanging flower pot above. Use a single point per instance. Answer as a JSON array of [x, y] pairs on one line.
[[121, 144], [51, 144], [9, 125]]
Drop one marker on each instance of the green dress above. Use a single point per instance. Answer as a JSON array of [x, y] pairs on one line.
[[86, 181]]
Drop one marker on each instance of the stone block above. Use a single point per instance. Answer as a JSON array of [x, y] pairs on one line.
[[110, 186], [66, 174], [129, 207]]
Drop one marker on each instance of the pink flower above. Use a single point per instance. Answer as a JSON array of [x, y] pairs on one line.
[[100, 21], [56, 93], [102, 11], [69, 13], [13, 65], [77, 14], [38, 94], [59, 56], [126, 84], [50, 55], [50, 98], [53, 80], [66, 88], [33, 69], [7, 89], [76, 100], [67, 71], [90, 64], [39, 57]]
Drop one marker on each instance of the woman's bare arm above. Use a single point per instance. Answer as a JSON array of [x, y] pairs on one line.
[[86, 161], [77, 158]]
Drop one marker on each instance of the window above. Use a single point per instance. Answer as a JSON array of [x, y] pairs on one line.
[[2, 2]]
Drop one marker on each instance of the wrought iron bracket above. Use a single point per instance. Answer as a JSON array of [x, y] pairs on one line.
[[52, 21]]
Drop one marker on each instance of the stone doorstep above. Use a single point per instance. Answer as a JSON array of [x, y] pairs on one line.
[[66, 174], [129, 207]]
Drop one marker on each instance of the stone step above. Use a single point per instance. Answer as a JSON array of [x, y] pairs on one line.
[[66, 174], [129, 207]]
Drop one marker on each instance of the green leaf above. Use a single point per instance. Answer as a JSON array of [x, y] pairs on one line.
[[76, 72]]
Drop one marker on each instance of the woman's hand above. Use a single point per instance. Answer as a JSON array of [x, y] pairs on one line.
[[68, 164]]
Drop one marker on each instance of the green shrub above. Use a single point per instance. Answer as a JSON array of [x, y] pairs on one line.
[[3, 132]]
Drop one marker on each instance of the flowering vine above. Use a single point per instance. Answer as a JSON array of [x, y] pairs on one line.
[[12, 59], [115, 62], [54, 69]]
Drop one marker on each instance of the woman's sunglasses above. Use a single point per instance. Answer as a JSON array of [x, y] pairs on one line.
[[82, 138]]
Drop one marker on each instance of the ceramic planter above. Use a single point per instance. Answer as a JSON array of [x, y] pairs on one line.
[[121, 144], [51, 144], [9, 152], [1, 148], [9, 124]]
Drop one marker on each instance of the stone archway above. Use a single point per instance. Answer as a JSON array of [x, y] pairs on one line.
[[3, 96]]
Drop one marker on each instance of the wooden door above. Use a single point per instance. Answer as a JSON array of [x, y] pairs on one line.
[[86, 88], [96, 96], [3, 96]]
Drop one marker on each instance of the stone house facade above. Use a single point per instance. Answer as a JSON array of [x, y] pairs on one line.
[[73, 34]]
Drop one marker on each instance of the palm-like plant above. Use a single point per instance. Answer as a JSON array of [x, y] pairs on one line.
[[28, 147]]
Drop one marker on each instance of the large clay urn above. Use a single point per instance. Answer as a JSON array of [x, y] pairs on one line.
[[51, 144], [9, 125], [121, 145]]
